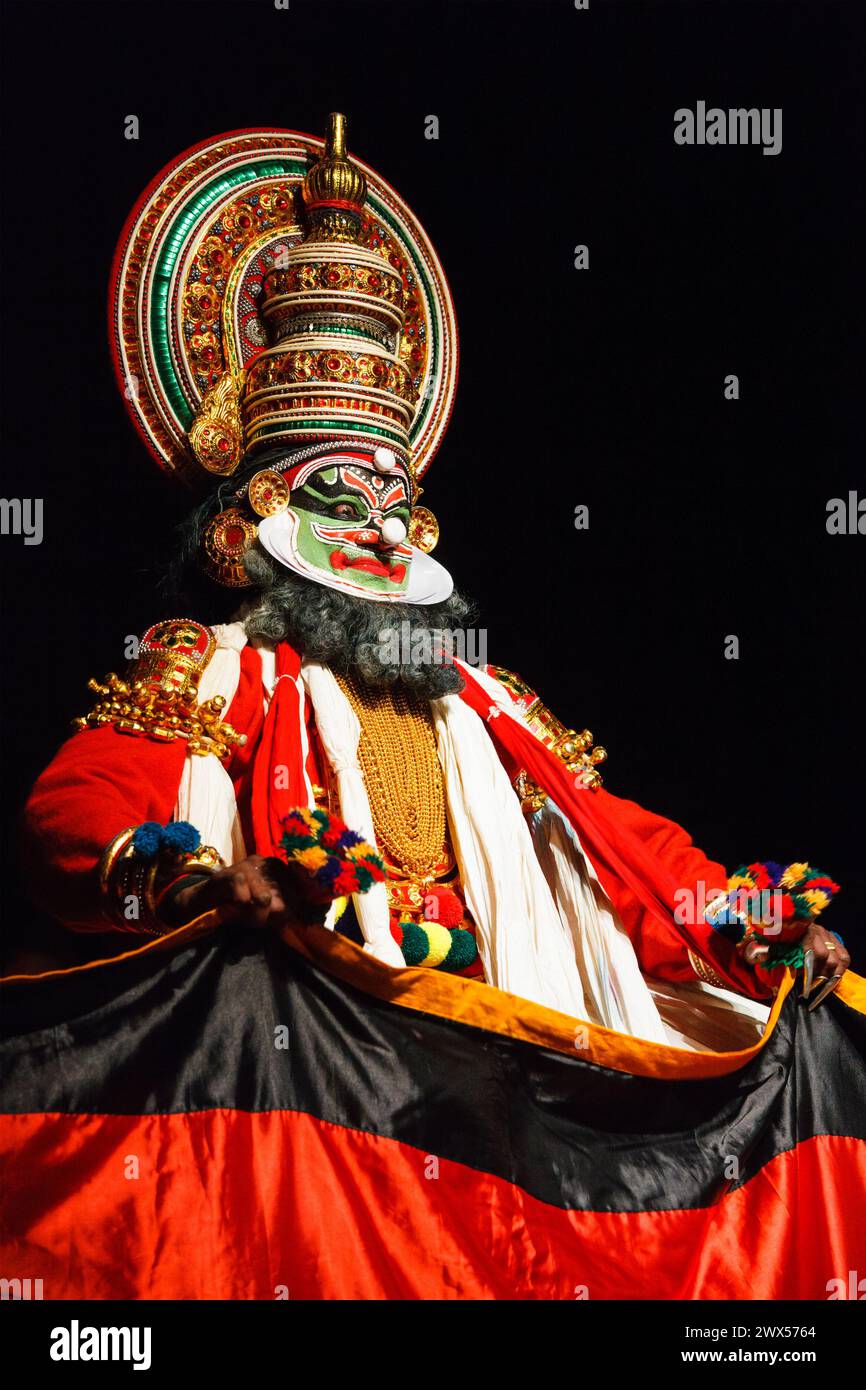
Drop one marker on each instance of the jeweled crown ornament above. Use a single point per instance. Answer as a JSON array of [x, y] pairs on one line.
[[334, 310], [334, 189], [269, 289]]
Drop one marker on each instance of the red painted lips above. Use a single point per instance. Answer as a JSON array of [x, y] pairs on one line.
[[370, 565]]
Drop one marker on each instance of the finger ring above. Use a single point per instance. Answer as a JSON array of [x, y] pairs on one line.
[[831, 946]]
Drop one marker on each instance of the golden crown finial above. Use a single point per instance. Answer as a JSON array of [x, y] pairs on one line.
[[335, 140], [334, 178]]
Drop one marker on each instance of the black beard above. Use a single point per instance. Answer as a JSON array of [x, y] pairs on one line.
[[346, 633]]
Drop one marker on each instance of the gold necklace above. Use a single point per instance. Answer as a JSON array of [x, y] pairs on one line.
[[398, 757]]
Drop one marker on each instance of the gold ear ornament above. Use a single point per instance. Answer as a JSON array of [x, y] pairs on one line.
[[226, 540], [268, 492], [423, 529]]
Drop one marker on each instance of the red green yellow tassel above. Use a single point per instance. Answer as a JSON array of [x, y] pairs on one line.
[[337, 859]]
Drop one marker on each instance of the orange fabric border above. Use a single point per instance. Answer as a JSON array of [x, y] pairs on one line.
[[173, 940], [495, 1011], [852, 991], [483, 1006]]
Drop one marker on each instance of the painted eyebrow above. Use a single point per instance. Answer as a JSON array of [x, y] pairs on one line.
[[333, 500]]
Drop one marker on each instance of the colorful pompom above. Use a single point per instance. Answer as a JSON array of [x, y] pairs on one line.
[[794, 874], [145, 841], [345, 882], [337, 859], [178, 837], [773, 901], [436, 947], [464, 951], [778, 958], [438, 944], [442, 905], [413, 944], [312, 859], [759, 876]]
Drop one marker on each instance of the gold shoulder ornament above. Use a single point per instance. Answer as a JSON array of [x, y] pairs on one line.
[[574, 749], [159, 697]]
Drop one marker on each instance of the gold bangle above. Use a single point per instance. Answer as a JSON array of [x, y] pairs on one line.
[[705, 972], [111, 854], [124, 875]]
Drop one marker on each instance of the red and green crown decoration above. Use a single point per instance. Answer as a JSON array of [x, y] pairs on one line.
[[270, 287], [338, 860], [774, 902]]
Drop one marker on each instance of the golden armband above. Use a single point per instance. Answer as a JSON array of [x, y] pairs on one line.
[[160, 698], [572, 748], [705, 973]]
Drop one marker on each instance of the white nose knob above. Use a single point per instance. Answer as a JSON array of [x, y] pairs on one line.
[[393, 531], [384, 460]]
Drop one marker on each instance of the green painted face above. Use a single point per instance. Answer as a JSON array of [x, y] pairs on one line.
[[348, 527]]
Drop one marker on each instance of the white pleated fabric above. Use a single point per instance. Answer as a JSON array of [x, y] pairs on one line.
[[703, 1018], [206, 796], [615, 993], [524, 944], [696, 1016]]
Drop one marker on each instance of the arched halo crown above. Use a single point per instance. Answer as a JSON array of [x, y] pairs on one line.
[[270, 289]]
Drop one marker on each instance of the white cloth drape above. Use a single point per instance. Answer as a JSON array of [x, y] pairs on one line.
[[206, 796], [523, 943], [615, 992]]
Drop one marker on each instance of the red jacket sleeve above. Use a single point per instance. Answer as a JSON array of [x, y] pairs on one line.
[[99, 783], [662, 952]]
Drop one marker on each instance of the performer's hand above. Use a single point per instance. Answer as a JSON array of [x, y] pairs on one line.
[[825, 962], [256, 892], [824, 967]]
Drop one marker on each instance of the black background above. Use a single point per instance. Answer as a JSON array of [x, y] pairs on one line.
[[603, 387]]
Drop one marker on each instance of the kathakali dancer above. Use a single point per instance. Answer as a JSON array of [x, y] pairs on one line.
[[446, 876]]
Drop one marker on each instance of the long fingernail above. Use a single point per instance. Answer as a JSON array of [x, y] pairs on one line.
[[831, 985]]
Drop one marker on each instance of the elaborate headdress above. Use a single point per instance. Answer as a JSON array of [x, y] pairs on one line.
[[268, 290]]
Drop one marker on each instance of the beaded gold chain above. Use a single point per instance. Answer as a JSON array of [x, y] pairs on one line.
[[398, 757]]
